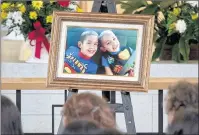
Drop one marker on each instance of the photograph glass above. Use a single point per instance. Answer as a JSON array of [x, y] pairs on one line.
[[100, 51]]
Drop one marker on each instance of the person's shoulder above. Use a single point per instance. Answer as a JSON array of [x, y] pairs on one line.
[[72, 50]]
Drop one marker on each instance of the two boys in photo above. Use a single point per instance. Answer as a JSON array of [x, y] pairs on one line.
[[115, 59]]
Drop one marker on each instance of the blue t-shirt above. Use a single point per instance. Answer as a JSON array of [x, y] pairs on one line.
[[74, 63]]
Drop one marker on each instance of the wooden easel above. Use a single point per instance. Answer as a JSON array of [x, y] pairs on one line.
[[126, 108]]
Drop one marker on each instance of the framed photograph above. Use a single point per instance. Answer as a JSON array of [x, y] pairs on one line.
[[100, 51]]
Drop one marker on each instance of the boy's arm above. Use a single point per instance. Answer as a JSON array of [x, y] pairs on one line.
[[71, 49], [108, 71], [106, 66]]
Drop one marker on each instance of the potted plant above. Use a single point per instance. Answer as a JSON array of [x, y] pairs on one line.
[[176, 31]]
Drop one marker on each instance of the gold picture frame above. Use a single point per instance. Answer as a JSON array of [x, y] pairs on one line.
[[64, 21]]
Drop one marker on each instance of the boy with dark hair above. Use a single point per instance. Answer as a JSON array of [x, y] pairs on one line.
[[116, 60], [78, 60]]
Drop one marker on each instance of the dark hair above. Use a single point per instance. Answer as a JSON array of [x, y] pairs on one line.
[[104, 33], [85, 34], [10, 118], [80, 127], [182, 95], [107, 132], [188, 125], [87, 106], [85, 127]]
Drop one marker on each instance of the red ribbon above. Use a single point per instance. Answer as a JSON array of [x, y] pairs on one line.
[[39, 35], [63, 3]]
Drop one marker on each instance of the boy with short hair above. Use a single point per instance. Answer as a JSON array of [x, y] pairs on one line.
[[115, 58], [78, 60]]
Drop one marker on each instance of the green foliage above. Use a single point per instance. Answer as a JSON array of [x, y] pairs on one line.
[[167, 14], [166, 3], [159, 47], [131, 5], [184, 48], [150, 10]]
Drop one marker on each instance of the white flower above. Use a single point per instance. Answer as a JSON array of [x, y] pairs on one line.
[[193, 3], [16, 14], [18, 20], [10, 15], [9, 23], [17, 30], [72, 6], [17, 17], [181, 26]]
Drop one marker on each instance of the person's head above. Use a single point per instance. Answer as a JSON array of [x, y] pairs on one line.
[[80, 127], [87, 106], [187, 125], [109, 42], [181, 95], [10, 118], [88, 43]]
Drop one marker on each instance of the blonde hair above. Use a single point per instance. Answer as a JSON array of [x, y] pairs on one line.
[[87, 106]]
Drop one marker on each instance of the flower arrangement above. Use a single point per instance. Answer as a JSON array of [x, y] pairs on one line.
[[33, 19], [176, 25], [20, 16]]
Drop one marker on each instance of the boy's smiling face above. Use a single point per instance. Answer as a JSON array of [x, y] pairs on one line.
[[110, 43], [89, 45]]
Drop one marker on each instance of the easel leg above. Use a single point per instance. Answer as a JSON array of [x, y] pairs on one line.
[[65, 95], [96, 5], [112, 99], [111, 5], [128, 113], [160, 112], [18, 100]]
